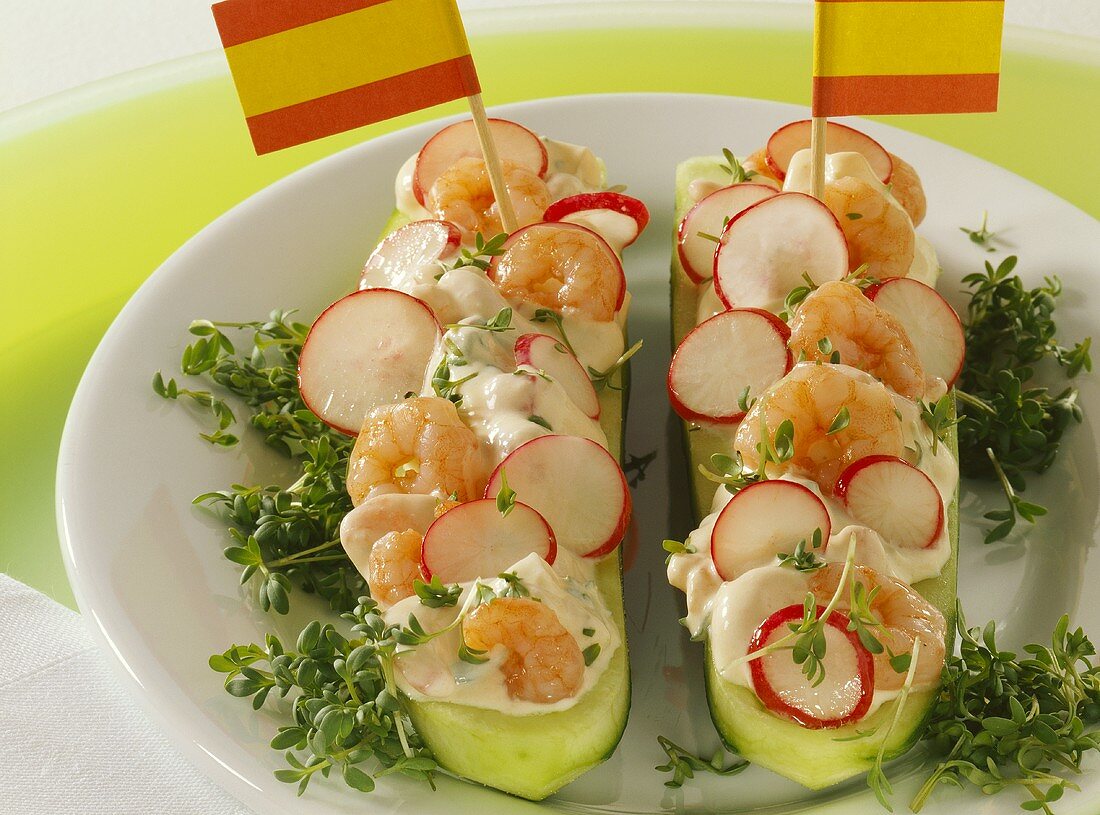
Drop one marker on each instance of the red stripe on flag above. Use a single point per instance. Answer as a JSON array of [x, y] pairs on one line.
[[241, 21], [364, 105], [928, 93], [912, 1]]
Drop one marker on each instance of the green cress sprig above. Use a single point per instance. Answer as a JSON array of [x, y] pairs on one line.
[[348, 713], [1008, 425], [683, 764], [281, 536], [1003, 721]]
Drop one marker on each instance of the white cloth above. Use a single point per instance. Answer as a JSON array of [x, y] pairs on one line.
[[73, 742]]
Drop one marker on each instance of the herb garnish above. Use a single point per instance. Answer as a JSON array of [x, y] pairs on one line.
[[281, 536], [736, 171], [484, 251], [347, 710], [683, 764], [1009, 426], [982, 235]]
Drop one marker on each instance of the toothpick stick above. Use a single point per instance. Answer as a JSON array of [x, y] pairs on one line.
[[492, 163], [817, 156]]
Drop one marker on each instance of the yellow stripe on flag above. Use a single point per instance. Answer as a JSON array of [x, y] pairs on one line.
[[344, 52], [908, 37]]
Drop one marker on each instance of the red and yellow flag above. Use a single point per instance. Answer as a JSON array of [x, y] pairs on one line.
[[311, 68], [906, 56]]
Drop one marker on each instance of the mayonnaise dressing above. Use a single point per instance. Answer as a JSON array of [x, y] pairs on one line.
[[925, 266], [433, 671]]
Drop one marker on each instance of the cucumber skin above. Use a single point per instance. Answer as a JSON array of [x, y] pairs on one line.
[[809, 757], [536, 755]]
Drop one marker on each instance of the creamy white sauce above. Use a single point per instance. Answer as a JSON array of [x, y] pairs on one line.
[[433, 671], [925, 266]]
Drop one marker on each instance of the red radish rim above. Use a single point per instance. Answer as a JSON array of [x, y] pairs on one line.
[[872, 291], [825, 532], [693, 275], [305, 345], [781, 172], [615, 201], [686, 413], [742, 214], [843, 482], [619, 532], [491, 271], [419, 192], [525, 341], [865, 664], [551, 552]]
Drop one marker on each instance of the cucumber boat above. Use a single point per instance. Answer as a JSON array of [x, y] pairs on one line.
[[424, 305], [820, 755]]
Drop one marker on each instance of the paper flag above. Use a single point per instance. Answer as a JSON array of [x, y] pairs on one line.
[[906, 56], [311, 68]]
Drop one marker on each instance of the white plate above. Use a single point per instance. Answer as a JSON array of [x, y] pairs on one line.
[[147, 567]]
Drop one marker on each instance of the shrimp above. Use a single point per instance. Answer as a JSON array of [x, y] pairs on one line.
[[393, 565], [865, 336], [904, 615], [878, 233], [567, 269], [906, 188], [544, 662], [758, 163], [382, 537], [464, 196], [420, 445], [812, 395]]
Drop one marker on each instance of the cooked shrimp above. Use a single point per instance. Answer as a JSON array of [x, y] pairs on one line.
[[464, 196], [420, 445], [811, 396], [866, 337], [904, 615], [758, 163], [563, 268], [393, 565], [878, 234], [907, 190], [544, 662]]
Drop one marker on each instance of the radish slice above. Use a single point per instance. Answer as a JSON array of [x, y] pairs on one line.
[[547, 354], [618, 218], [475, 540], [791, 138], [408, 256], [576, 485], [767, 248], [375, 518], [539, 264], [894, 498], [367, 349], [844, 696], [763, 520], [931, 324], [514, 143], [710, 216], [720, 357]]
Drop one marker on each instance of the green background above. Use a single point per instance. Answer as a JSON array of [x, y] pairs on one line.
[[99, 186]]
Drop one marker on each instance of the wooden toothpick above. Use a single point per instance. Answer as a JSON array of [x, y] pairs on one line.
[[492, 163], [817, 156]]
